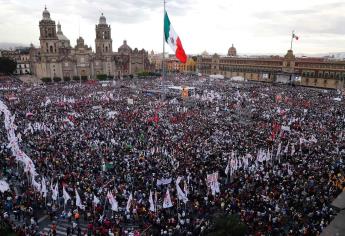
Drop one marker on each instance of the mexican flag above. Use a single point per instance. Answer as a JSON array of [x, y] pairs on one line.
[[173, 40]]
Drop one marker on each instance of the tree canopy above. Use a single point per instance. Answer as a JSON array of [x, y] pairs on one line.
[[7, 66]]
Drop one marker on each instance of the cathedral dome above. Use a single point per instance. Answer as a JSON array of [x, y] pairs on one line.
[[125, 48], [232, 51], [102, 20], [205, 54], [60, 34], [46, 14]]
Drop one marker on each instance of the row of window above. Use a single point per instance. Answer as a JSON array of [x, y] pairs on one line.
[[325, 81], [23, 66], [247, 69], [269, 63], [257, 63], [320, 74], [328, 66]]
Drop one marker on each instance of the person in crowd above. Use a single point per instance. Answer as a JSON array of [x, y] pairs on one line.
[[272, 155]]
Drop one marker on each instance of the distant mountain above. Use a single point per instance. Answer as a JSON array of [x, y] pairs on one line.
[[7, 46], [338, 55], [335, 55]]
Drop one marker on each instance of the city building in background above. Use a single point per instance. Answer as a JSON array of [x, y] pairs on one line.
[[172, 64], [22, 57], [305, 71], [232, 51], [57, 58]]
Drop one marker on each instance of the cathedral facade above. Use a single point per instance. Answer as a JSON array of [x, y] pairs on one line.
[[57, 58]]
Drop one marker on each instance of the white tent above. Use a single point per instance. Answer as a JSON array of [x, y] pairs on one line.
[[237, 78], [217, 76]]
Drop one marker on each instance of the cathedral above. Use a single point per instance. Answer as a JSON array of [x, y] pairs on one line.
[[57, 58]]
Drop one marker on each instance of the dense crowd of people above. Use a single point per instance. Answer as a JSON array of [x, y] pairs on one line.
[[271, 154]]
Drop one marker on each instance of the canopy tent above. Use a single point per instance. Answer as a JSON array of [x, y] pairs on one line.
[[237, 78], [218, 76]]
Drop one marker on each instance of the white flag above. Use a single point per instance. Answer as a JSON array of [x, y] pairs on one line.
[[55, 192], [51, 186], [292, 149], [95, 200], [36, 185], [113, 202], [212, 181], [185, 188], [180, 194], [279, 149], [164, 181], [66, 196], [167, 200], [48, 101], [286, 148], [227, 168], [313, 139], [129, 203], [78, 202], [152, 205], [4, 186], [44, 187]]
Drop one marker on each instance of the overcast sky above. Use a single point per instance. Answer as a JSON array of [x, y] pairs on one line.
[[255, 27]]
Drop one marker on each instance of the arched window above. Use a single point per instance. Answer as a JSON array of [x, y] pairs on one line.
[[106, 49], [51, 49]]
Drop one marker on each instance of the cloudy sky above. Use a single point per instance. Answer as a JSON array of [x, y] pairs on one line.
[[255, 27]]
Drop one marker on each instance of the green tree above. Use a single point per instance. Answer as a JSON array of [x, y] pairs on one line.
[[7, 65], [57, 79], [102, 77], [76, 78], [46, 79], [227, 225]]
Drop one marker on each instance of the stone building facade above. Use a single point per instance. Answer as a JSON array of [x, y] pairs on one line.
[[57, 58], [22, 57], [311, 72], [172, 64]]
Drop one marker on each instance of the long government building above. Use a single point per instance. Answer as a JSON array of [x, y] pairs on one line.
[[311, 72]]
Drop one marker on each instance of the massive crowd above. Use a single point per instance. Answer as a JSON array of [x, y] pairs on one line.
[[273, 155]]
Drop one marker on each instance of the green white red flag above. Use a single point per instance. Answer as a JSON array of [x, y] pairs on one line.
[[173, 40]]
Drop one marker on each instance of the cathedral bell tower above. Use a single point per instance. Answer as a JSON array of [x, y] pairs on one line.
[[48, 37], [103, 37]]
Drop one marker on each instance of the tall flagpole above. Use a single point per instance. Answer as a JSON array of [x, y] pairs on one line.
[[292, 39], [163, 61]]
